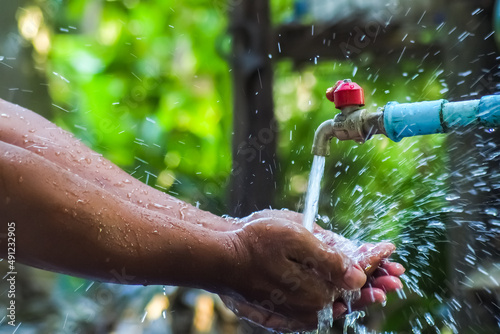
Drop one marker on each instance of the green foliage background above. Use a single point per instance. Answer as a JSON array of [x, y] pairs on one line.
[[148, 89]]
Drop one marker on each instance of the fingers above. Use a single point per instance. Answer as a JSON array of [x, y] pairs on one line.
[[387, 283], [375, 291], [369, 296], [354, 278], [338, 309], [371, 256], [389, 268]]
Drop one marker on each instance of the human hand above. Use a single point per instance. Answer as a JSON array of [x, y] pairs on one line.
[[383, 275], [284, 275]]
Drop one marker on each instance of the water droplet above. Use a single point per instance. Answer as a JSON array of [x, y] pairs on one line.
[[20, 179], [127, 181], [452, 197], [429, 319], [491, 211], [2, 58], [5, 116]]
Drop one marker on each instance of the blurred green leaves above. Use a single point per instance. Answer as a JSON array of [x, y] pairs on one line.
[[140, 80]]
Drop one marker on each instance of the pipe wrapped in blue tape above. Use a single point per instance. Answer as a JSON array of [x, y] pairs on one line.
[[412, 119], [489, 111], [459, 114], [423, 118]]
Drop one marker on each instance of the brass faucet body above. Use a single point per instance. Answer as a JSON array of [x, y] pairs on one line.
[[352, 123]]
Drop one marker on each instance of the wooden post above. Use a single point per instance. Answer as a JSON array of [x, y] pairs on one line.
[[254, 140]]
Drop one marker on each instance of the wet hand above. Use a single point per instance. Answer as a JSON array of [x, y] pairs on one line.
[[382, 274], [284, 275]]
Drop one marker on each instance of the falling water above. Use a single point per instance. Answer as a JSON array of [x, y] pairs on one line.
[[313, 188], [325, 316]]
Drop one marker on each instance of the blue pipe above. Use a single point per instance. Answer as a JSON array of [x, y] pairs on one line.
[[423, 118]]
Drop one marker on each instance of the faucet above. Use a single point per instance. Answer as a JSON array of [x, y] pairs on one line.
[[352, 123], [397, 121]]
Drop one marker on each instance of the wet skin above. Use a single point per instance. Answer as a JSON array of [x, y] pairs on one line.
[[79, 214], [381, 276]]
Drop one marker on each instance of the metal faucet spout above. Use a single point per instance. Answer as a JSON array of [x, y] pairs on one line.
[[352, 124], [322, 137]]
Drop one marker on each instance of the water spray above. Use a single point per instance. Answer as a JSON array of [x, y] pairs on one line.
[[397, 121], [394, 120]]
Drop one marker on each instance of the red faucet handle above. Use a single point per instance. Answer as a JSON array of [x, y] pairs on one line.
[[346, 93]]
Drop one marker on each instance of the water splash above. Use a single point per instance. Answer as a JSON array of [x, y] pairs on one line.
[[325, 320], [351, 319]]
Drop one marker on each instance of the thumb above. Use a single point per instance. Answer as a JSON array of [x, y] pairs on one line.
[[370, 256], [354, 278]]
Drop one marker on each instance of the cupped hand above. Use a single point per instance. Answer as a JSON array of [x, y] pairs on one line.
[[382, 275], [284, 275]]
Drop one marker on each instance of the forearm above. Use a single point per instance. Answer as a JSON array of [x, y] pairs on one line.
[[27, 130], [68, 224]]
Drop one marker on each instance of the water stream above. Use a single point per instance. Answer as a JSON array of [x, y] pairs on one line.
[[325, 316], [313, 189]]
